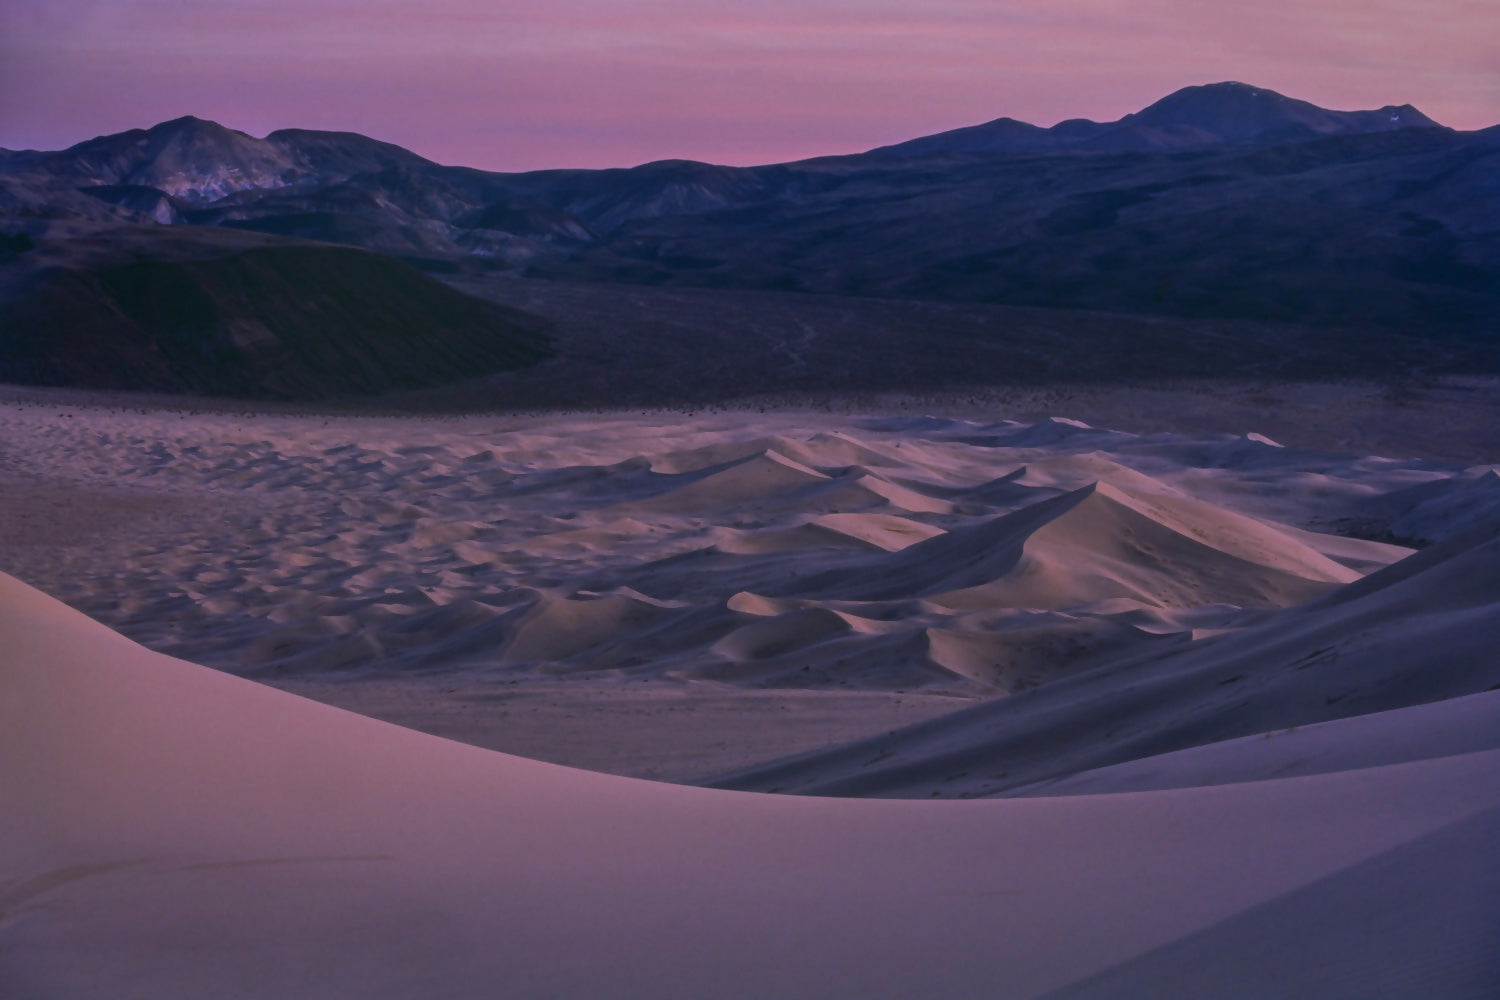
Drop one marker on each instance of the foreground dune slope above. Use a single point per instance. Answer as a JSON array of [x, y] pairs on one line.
[[1468, 724], [169, 831]]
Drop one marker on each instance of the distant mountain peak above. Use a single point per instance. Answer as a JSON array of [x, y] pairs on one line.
[[190, 128], [1232, 86], [1193, 117], [1232, 110], [198, 161], [186, 122]]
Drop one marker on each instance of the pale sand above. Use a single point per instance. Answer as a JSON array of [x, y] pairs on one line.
[[174, 832], [674, 597], [666, 732], [701, 555]]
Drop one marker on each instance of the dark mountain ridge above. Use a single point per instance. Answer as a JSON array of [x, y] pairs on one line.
[[1219, 202], [1191, 118], [211, 175]]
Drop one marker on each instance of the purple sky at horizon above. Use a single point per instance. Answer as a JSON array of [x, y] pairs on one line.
[[523, 84]]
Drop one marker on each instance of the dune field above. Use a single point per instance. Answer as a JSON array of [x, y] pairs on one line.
[[1227, 713]]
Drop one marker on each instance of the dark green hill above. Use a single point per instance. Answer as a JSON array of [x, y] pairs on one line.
[[252, 318]]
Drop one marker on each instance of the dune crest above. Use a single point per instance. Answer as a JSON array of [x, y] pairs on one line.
[[1098, 543]]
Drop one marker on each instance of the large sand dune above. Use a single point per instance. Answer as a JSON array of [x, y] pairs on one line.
[[688, 597], [175, 832]]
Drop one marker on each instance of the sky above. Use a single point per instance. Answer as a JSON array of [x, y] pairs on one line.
[[525, 84]]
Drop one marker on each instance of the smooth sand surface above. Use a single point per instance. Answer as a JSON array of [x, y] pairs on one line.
[[172, 831], [1467, 724]]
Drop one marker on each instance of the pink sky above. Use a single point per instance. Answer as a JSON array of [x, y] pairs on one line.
[[521, 84]]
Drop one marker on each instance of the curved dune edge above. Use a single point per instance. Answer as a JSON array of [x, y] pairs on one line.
[[1448, 728], [191, 834]]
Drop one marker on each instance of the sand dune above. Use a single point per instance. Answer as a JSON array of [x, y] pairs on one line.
[[184, 833], [869, 531], [517, 550], [294, 545], [1420, 631], [556, 628], [1433, 511], [1097, 543], [1064, 472], [1046, 433], [1025, 656], [883, 531], [825, 451], [1454, 726], [765, 476], [792, 630]]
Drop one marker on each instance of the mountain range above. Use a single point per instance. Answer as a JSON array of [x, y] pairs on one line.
[[1223, 202], [1191, 118]]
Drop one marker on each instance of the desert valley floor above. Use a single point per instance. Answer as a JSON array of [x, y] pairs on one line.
[[1215, 695]]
